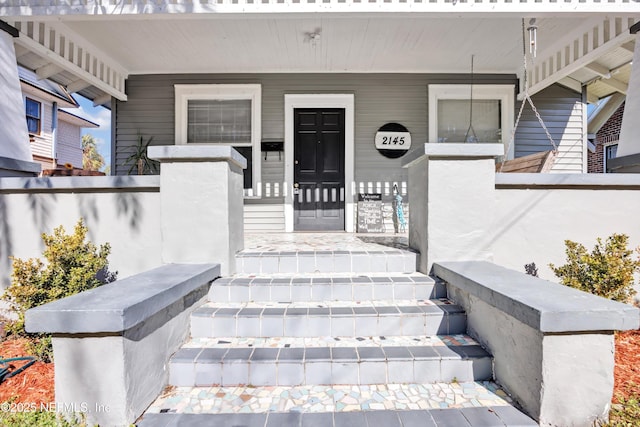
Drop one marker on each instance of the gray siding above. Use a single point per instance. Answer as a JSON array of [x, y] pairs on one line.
[[379, 98], [561, 110]]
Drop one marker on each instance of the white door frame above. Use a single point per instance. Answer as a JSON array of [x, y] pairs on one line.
[[346, 101]]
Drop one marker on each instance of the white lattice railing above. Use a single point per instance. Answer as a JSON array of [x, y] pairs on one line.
[[51, 8], [72, 53], [587, 44], [280, 189]]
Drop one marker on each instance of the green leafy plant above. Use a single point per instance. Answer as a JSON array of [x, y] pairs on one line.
[[40, 419], [71, 266], [139, 159], [607, 271], [626, 413]]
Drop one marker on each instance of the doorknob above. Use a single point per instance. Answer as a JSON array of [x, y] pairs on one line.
[[295, 162], [296, 185]]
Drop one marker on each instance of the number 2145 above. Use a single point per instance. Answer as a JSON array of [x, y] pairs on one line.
[[393, 140]]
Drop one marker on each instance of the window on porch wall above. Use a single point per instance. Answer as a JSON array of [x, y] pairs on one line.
[[222, 114], [454, 117], [493, 114]]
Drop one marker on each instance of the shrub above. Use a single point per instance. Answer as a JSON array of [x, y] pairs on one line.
[[607, 271], [72, 266]]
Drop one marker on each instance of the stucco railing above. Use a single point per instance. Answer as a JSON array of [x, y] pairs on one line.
[[112, 344], [553, 346]]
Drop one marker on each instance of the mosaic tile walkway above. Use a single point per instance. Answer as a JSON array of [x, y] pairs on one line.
[[297, 242], [284, 342], [337, 398]]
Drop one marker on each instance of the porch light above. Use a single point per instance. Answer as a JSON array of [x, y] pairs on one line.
[[533, 34]]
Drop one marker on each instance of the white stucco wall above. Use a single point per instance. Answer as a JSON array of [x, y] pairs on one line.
[[14, 139], [530, 224], [127, 218]]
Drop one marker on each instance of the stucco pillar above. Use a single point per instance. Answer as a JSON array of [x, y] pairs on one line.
[[15, 151], [628, 154], [202, 204], [452, 190]]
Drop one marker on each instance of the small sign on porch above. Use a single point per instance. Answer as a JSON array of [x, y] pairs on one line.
[[393, 140], [370, 213]]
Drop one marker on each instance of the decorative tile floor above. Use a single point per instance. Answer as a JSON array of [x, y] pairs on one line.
[[284, 342], [297, 242], [220, 400]]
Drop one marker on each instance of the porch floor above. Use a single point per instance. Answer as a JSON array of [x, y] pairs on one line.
[[326, 241], [335, 398]]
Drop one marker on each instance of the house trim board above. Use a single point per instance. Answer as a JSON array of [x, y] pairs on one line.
[[333, 100]]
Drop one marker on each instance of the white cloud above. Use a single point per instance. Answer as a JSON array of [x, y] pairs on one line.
[[99, 115]]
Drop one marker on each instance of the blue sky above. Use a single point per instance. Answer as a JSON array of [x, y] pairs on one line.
[[100, 116]]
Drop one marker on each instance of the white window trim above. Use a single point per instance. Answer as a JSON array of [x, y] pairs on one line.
[[504, 93], [604, 154], [187, 92], [346, 101]]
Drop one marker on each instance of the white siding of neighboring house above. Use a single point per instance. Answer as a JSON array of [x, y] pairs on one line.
[[41, 144], [69, 147]]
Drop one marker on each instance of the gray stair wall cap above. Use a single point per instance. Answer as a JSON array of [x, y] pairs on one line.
[[452, 151], [194, 153], [123, 304], [541, 304]]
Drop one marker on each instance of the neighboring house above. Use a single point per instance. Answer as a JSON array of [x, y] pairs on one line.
[[54, 134], [605, 144], [323, 98]]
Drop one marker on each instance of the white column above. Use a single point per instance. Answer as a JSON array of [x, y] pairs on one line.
[[201, 204], [14, 137], [630, 131], [452, 190]]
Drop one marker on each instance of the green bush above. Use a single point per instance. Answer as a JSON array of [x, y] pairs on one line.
[[607, 271], [72, 266], [39, 419], [626, 413]]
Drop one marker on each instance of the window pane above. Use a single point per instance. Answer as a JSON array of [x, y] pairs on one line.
[[33, 125], [612, 151], [33, 108], [219, 121], [453, 120]]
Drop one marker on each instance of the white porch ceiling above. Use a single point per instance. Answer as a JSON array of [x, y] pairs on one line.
[[367, 43], [346, 44]]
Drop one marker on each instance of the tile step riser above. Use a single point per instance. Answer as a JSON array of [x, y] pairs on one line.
[[297, 292], [335, 326], [270, 373], [357, 264]]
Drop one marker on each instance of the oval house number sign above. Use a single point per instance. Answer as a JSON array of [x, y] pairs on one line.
[[393, 140]]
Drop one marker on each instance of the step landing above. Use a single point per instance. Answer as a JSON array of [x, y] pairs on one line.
[[465, 404]]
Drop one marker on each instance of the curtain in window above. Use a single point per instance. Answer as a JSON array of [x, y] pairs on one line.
[[453, 120], [219, 121]]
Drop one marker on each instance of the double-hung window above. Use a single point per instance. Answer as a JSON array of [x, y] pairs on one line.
[[222, 114], [453, 117], [34, 111]]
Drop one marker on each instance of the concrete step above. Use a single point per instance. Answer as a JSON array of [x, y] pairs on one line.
[[362, 361], [500, 416], [391, 405], [339, 261], [411, 317], [240, 289]]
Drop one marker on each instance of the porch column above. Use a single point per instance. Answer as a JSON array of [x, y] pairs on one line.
[[452, 189], [15, 152], [628, 156], [201, 204]]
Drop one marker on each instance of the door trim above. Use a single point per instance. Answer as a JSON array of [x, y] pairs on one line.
[[346, 101]]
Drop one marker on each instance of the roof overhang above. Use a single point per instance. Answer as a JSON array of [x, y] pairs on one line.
[[68, 117], [92, 48]]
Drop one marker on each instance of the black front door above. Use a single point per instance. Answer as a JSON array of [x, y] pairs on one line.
[[318, 169]]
